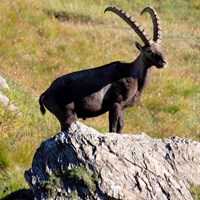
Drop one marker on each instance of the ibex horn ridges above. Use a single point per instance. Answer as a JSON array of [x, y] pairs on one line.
[[157, 33], [134, 25]]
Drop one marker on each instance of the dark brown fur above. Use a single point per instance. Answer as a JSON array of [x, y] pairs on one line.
[[109, 88]]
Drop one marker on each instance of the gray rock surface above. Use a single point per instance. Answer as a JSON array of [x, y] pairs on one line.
[[128, 167], [3, 83], [3, 98]]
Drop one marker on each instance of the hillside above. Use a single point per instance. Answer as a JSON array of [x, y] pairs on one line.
[[41, 40]]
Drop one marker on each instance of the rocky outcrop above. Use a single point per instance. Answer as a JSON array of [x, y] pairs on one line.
[[85, 164]]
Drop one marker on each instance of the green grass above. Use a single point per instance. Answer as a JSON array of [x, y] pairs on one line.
[[41, 40], [195, 191], [78, 178]]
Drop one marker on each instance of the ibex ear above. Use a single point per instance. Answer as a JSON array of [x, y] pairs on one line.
[[138, 46]]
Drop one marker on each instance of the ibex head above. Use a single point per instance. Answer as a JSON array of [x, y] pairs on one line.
[[152, 49]]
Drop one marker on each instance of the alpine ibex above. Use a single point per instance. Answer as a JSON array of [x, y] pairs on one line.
[[111, 87]]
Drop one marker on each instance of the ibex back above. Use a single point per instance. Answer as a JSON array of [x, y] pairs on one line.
[[112, 87]]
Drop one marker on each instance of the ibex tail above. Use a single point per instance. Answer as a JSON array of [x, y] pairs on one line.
[[42, 108]]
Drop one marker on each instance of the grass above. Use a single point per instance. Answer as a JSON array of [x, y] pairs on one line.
[[76, 179], [41, 40], [82, 177], [195, 191]]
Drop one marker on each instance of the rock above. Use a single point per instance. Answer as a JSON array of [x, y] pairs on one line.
[[82, 163], [6, 102], [3, 83], [3, 98]]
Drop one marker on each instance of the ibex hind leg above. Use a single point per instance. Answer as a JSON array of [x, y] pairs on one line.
[[65, 114], [120, 123], [66, 117], [70, 114], [116, 120], [62, 119], [60, 114]]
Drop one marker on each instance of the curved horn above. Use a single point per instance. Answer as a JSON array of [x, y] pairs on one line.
[[134, 25], [157, 33]]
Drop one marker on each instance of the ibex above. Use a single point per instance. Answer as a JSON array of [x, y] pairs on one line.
[[112, 87]]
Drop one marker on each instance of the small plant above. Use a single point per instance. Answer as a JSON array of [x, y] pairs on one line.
[[51, 185], [195, 191], [82, 176], [79, 180], [3, 159]]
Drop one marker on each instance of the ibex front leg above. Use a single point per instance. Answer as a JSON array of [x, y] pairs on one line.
[[116, 118]]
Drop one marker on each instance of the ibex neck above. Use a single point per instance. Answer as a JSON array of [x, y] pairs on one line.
[[141, 71], [144, 62]]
